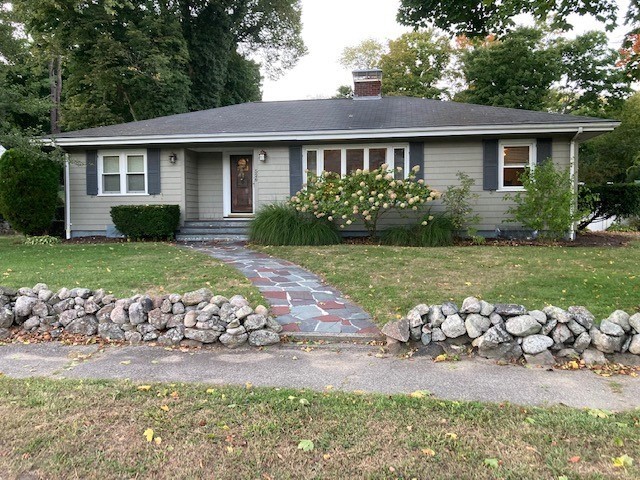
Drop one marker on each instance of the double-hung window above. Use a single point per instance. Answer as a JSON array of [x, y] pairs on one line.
[[515, 157], [122, 173], [343, 160]]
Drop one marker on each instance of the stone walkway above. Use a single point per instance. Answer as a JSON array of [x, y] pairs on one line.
[[300, 300]]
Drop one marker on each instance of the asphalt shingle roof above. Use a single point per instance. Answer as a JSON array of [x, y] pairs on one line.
[[329, 114]]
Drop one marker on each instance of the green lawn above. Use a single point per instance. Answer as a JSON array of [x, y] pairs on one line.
[[95, 430], [121, 268], [388, 281]]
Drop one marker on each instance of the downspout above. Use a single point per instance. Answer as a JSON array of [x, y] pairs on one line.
[[67, 198], [574, 180]]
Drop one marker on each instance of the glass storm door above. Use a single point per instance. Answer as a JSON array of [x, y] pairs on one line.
[[241, 184]]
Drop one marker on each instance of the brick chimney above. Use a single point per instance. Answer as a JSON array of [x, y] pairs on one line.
[[367, 84]]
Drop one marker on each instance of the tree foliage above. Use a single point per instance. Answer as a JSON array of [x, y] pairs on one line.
[[482, 17]]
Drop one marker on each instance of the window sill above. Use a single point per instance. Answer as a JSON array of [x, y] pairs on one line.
[[123, 195], [511, 189]]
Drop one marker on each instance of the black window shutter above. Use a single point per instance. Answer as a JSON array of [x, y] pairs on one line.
[[416, 157], [490, 164], [295, 169], [92, 172], [543, 149], [153, 171]]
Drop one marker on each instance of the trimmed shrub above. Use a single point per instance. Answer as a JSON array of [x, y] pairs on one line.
[[620, 200], [279, 224], [29, 180], [152, 222], [431, 231], [42, 240]]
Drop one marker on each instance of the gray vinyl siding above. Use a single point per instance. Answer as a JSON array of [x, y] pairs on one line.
[[191, 185], [443, 159], [209, 186], [92, 213], [272, 184]]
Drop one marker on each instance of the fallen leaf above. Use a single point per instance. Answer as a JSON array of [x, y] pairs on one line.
[[211, 390], [492, 462], [148, 434], [165, 408], [623, 461], [574, 459], [451, 435], [157, 440], [420, 394], [248, 385], [306, 445], [328, 387], [125, 362], [429, 452], [304, 401], [326, 456], [144, 388]]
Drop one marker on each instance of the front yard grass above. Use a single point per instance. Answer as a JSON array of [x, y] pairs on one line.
[[121, 268], [388, 281], [95, 430]]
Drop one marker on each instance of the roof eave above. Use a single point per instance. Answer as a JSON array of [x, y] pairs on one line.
[[320, 135]]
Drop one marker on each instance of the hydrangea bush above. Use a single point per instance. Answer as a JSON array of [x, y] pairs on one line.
[[362, 195]]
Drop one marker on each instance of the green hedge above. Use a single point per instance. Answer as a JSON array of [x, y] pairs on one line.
[[430, 231], [606, 201], [153, 222]]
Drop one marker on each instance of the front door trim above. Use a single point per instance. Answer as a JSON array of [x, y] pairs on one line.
[[226, 181]]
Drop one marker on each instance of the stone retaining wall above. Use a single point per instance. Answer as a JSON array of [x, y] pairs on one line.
[[195, 318], [511, 331]]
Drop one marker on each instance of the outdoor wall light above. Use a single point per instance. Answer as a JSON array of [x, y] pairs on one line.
[[262, 156], [173, 158]]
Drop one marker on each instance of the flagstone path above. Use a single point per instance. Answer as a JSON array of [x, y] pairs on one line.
[[300, 301]]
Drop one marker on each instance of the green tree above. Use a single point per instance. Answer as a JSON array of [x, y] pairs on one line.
[[366, 54], [481, 17]]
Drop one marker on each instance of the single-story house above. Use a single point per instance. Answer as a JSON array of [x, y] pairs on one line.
[[221, 165]]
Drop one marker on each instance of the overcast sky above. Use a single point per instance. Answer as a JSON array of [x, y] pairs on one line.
[[331, 25]]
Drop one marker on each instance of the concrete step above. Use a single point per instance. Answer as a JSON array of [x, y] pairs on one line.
[[244, 222], [180, 237], [216, 230]]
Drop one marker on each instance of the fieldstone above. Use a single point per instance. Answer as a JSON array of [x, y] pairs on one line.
[[449, 308], [38, 287], [187, 342], [63, 305], [173, 336], [582, 342], [63, 293], [66, 317], [435, 316], [98, 296], [174, 297], [203, 336], [151, 336], [471, 305], [415, 333], [31, 323], [416, 314], [583, 316], [261, 310], [605, 343], [45, 295], [548, 327], [393, 346], [522, 325], [80, 311], [262, 338], [626, 344], [137, 314], [233, 323], [476, 325], [255, 322], [133, 336], [611, 328], [236, 330], [83, 293], [24, 305], [233, 341], [273, 325], [27, 292], [78, 301], [157, 319], [4, 333], [539, 315], [542, 359], [40, 309], [145, 328], [621, 318], [104, 314], [166, 306], [510, 310], [177, 308], [108, 299], [127, 327], [504, 351], [634, 346], [398, 330], [6, 318], [110, 331], [534, 344], [90, 306], [426, 336], [496, 319], [176, 321], [437, 335], [87, 325], [219, 300], [197, 296], [561, 334], [558, 314], [239, 301], [634, 322], [592, 356], [575, 327], [496, 335], [243, 312], [190, 319], [567, 353], [125, 303], [119, 315], [453, 326], [227, 312], [486, 308]]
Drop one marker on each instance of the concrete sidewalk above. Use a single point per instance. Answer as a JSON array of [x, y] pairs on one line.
[[343, 366]]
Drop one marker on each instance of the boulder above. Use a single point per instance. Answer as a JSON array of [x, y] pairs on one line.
[[583, 316], [605, 343], [557, 313], [87, 325], [415, 333], [496, 319], [621, 318], [178, 308], [496, 335], [522, 325], [203, 336], [158, 319], [137, 314], [593, 357], [233, 341], [104, 314], [23, 306], [197, 296], [504, 351], [634, 322], [561, 334], [575, 327], [119, 315], [634, 346], [542, 359], [510, 310], [110, 331], [453, 326], [416, 314], [262, 338], [398, 330], [6, 318], [66, 317], [471, 305], [449, 308], [609, 328], [190, 319], [435, 316], [173, 336], [238, 301], [31, 323], [218, 300], [261, 310], [133, 337], [63, 305], [166, 306], [45, 295], [539, 315], [437, 335], [582, 342], [535, 344], [486, 308], [426, 336], [243, 312], [255, 322], [273, 325], [548, 327], [476, 325]]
